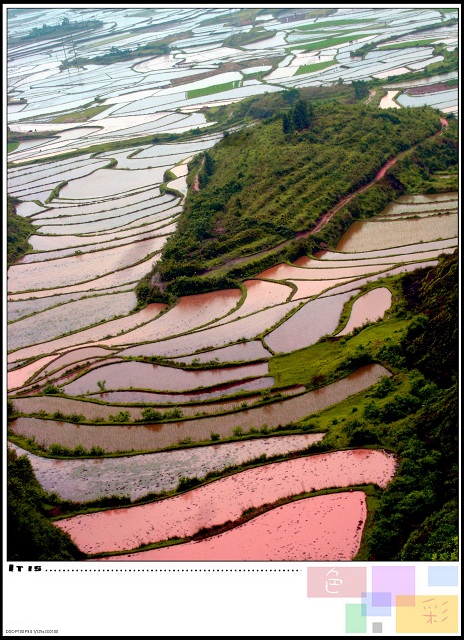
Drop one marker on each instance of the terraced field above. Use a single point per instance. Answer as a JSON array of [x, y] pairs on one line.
[[121, 396]]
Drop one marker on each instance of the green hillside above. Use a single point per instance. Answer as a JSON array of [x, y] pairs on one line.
[[31, 535], [417, 518], [260, 187], [18, 231]]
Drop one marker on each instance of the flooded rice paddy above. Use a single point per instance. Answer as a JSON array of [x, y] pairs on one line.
[[285, 272], [427, 198], [398, 253], [376, 260], [76, 216], [112, 225], [106, 329], [310, 288], [17, 378], [388, 102], [77, 355], [389, 272], [97, 409], [126, 438], [118, 279], [141, 375], [259, 295], [68, 317], [368, 308], [77, 269], [87, 245], [111, 182], [242, 352], [190, 313], [366, 235], [219, 391], [315, 319], [225, 499], [420, 206], [138, 476], [243, 329]]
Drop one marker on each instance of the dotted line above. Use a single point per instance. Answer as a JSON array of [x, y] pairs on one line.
[[179, 570]]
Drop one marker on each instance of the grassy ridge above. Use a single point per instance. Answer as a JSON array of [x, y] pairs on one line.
[[253, 35], [334, 23], [406, 45]]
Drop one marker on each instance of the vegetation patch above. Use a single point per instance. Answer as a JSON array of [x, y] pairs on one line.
[[329, 42], [81, 116], [407, 44], [333, 23], [19, 230], [217, 88], [118, 55], [65, 27], [317, 66], [31, 535], [255, 34]]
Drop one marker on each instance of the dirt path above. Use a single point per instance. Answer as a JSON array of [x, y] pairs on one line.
[[330, 214], [196, 182]]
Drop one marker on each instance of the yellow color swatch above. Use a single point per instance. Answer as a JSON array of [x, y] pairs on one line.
[[426, 614]]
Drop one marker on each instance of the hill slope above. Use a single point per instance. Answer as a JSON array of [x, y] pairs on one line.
[[260, 187]]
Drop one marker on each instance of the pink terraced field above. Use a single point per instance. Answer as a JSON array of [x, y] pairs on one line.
[[309, 288], [315, 319], [288, 272], [225, 499], [260, 294], [242, 329], [322, 528], [141, 375], [90, 335], [190, 313], [77, 269], [122, 276], [238, 352], [367, 235], [221, 391], [370, 307]]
